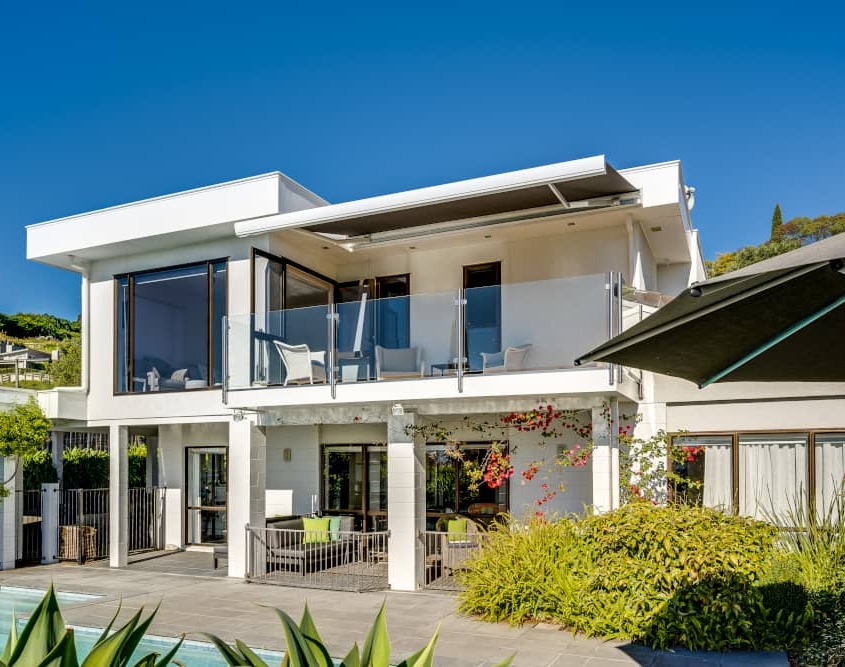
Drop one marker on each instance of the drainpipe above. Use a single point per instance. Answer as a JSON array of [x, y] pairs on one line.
[[83, 269]]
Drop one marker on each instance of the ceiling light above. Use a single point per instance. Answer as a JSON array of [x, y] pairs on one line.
[[488, 236], [325, 247], [412, 247], [570, 224], [656, 228]]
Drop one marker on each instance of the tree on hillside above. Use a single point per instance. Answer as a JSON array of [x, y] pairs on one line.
[[777, 221], [67, 371], [789, 236], [33, 325], [23, 430]]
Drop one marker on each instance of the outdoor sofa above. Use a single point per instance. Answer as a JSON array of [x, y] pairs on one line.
[[291, 552]]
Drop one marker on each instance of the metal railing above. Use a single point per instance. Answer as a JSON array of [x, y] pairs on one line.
[[341, 560], [28, 535], [146, 528], [83, 524], [446, 556]]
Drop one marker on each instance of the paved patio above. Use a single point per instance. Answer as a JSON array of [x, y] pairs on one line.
[[193, 603]]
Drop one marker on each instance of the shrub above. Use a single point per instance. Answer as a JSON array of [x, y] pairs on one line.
[[38, 469], [89, 468], [666, 576], [522, 572]]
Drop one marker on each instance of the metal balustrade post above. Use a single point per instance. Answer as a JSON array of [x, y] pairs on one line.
[[331, 316], [459, 370], [225, 354], [620, 325], [609, 310]]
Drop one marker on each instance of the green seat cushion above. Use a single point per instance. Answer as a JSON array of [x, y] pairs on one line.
[[316, 530], [456, 530], [334, 528]]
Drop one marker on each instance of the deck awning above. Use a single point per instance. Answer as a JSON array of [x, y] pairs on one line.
[[554, 189], [779, 320]]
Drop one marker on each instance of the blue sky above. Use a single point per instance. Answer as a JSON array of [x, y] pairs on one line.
[[103, 104]]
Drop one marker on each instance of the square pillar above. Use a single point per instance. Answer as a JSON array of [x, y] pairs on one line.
[[247, 489], [606, 457], [118, 495], [171, 476], [49, 523], [13, 472], [405, 505]]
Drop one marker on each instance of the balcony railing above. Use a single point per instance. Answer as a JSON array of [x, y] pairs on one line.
[[529, 326]]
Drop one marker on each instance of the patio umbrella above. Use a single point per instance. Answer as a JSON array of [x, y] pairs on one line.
[[781, 319]]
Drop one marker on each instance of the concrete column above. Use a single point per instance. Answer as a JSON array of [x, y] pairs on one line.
[[247, 488], [606, 457], [57, 444], [12, 471], [151, 472], [49, 523], [171, 476], [405, 505], [118, 495]]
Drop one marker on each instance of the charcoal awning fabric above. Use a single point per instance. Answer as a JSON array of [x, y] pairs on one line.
[[782, 319]]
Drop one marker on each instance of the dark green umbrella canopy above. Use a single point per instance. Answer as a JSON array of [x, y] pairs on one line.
[[782, 319]]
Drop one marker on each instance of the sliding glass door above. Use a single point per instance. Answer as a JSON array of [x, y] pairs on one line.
[[207, 488]]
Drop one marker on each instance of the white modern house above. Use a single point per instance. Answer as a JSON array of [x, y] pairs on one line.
[[278, 351]]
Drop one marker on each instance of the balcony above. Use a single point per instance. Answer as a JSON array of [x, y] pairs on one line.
[[449, 339]]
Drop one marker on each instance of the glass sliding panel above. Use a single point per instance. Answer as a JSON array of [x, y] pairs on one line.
[[268, 298], [343, 478], [122, 371], [773, 475], [706, 463], [170, 325], [392, 312], [483, 323], [830, 475], [218, 312], [207, 486], [377, 479], [448, 487]]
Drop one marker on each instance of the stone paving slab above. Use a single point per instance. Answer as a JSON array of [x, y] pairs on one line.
[[233, 609]]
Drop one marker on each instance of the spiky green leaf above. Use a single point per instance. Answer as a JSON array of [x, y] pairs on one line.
[[42, 632], [376, 651]]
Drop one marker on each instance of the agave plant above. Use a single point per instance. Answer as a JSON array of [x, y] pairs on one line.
[[46, 642], [305, 648]]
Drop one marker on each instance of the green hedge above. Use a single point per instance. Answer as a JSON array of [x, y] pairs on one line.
[[665, 576], [83, 468]]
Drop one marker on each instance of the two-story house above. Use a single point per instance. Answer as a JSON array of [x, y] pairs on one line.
[[278, 352]]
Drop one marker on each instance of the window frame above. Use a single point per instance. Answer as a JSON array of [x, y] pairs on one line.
[[130, 323], [735, 435], [365, 512]]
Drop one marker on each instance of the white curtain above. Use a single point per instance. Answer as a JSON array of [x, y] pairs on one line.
[[772, 475], [717, 475], [830, 471]]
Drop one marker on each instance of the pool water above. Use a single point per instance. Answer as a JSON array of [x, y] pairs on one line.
[[21, 601]]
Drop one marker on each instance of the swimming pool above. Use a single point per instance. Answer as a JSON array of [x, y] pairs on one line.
[[22, 601]]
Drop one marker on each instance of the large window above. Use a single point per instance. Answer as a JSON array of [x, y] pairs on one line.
[[773, 476], [169, 329], [448, 487], [355, 482]]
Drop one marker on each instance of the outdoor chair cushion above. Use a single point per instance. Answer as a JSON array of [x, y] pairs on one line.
[[316, 530], [402, 360]]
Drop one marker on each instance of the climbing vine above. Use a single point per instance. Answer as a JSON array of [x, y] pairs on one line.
[[645, 468]]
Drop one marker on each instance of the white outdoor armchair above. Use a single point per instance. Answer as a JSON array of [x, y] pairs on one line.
[[509, 359], [302, 366], [403, 362]]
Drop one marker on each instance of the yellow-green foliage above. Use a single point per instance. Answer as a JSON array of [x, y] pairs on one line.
[[666, 576]]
